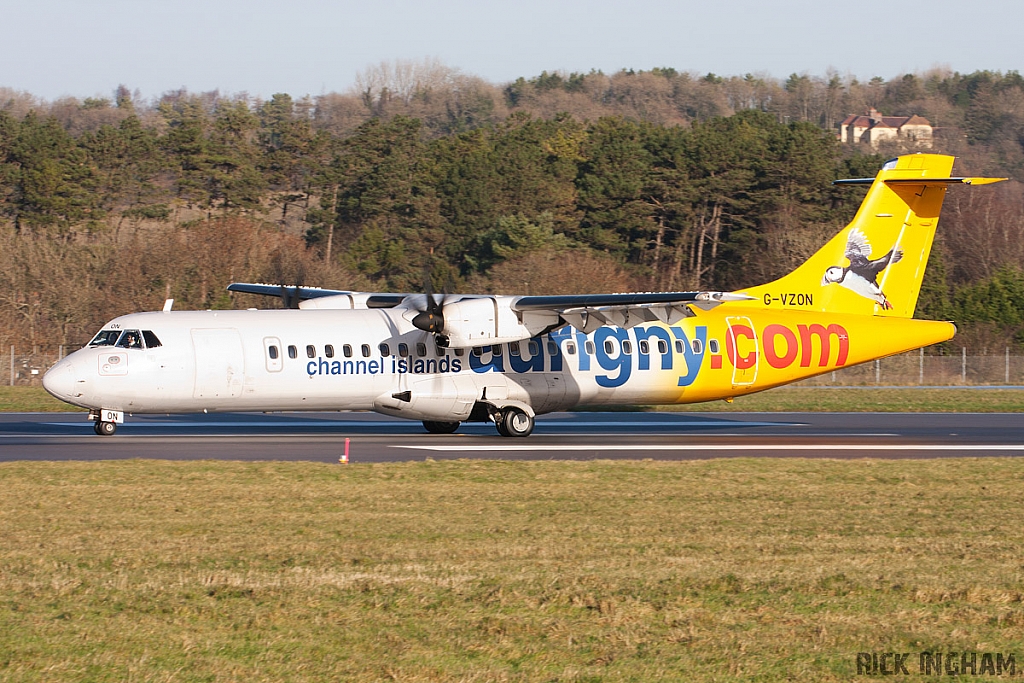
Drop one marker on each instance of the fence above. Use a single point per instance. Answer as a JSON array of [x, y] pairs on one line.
[[26, 368], [918, 369]]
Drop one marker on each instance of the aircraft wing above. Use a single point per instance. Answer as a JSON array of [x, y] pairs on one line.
[[291, 295], [587, 312]]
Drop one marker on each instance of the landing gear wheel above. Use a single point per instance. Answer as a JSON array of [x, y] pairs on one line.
[[104, 428], [516, 423], [440, 427], [499, 423]]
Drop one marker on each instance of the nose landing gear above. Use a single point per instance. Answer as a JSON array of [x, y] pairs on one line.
[[104, 422], [104, 428]]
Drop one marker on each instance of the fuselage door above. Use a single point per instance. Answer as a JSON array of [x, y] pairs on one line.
[[741, 348], [272, 351], [220, 363]]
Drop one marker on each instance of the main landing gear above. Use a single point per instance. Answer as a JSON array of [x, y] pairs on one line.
[[513, 422], [440, 427]]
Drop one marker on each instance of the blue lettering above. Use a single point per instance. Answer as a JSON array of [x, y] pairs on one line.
[[360, 367], [350, 368], [622, 362], [693, 360], [374, 367], [456, 365], [646, 333], [535, 362], [311, 368], [495, 363], [323, 367], [558, 336], [581, 342], [336, 368], [417, 367], [403, 366]]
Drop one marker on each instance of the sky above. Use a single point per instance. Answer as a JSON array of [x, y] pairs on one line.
[[86, 48]]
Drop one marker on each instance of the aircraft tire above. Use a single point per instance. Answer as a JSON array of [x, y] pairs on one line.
[[104, 428], [516, 423], [499, 423], [435, 427]]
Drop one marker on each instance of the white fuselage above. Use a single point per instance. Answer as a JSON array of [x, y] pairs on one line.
[[271, 360]]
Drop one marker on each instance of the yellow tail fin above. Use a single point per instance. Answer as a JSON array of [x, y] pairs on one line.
[[875, 265]]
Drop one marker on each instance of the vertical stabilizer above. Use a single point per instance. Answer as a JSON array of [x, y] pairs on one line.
[[875, 265]]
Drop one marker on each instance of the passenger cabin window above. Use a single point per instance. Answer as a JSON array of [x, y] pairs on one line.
[[366, 351], [513, 348], [105, 338], [293, 352], [385, 350], [552, 348], [403, 350], [570, 348], [662, 346], [533, 347], [713, 346], [589, 347], [627, 347], [609, 347], [310, 351], [329, 351], [478, 351], [130, 339], [438, 348], [496, 350], [421, 349], [679, 346], [151, 340], [645, 347], [272, 352], [460, 352], [347, 350], [697, 346]]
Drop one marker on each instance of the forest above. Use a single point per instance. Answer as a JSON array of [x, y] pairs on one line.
[[639, 180]]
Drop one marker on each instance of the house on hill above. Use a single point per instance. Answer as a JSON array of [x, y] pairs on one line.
[[872, 128]]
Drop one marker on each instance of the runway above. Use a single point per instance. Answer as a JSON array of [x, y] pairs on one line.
[[321, 437]]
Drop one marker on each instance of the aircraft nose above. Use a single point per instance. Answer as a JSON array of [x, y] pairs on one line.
[[60, 380]]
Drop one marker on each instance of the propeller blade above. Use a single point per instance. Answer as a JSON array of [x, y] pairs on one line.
[[431, 319]]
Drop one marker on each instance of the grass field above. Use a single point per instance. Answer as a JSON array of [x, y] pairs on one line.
[[726, 570], [791, 399]]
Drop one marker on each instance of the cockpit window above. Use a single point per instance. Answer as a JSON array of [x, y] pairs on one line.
[[130, 339], [105, 338], [151, 340]]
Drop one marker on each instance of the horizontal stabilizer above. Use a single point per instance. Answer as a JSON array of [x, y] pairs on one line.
[[966, 180]]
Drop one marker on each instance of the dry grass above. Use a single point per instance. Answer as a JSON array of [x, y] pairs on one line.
[[494, 571], [31, 400]]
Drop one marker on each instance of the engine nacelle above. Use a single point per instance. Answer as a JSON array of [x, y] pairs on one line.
[[491, 320]]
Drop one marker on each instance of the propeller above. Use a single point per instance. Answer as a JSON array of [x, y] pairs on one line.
[[431, 318], [290, 296]]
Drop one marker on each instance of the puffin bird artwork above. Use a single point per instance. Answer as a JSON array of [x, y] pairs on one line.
[[861, 276]]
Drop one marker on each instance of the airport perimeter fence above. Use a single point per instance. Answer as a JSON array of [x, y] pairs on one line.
[[25, 367]]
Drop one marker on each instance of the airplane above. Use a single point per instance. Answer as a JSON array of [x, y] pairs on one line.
[[445, 359]]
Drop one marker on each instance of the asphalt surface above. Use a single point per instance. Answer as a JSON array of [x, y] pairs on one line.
[[322, 437]]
